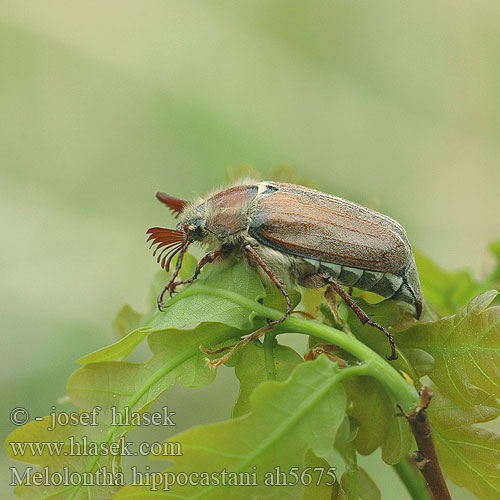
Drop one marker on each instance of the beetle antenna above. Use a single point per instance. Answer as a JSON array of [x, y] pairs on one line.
[[174, 204], [170, 241]]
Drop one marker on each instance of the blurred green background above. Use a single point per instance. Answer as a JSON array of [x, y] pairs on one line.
[[103, 103]]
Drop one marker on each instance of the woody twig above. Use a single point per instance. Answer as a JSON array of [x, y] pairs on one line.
[[425, 458]]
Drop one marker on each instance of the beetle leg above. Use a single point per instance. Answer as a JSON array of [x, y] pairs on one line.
[[206, 259], [214, 363], [159, 300], [363, 317], [327, 350], [217, 351], [332, 304], [275, 280], [304, 314]]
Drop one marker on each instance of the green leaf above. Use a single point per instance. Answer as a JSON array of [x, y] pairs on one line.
[[286, 419], [118, 382], [358, 484], [445, 291], [385, 313], [449, 414], [130, 325], [324, 484], [374, 411], [193, 372], [468, 454], [312, 300], [345, 436], [135, 386], [469, 457], [119, 350], [355, 481], [67, 459], [368, 490], [189, 307], [251, 370], [285, 415], [122, 385], [161, 278], [275, 299], [126, 320], [349, 479], [338, 493], [421, 362], [349, 483], [465, 347]]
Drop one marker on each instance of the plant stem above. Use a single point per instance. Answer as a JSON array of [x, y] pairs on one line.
[[425, 458], [269, 355], [403, 393], [415, 483], [351, 470]]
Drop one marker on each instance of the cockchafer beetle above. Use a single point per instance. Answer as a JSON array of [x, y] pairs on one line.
[[295, 236]]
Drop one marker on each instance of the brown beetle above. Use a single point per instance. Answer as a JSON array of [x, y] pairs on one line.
[[295, 236]]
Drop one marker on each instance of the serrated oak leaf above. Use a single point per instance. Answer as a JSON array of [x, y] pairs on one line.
[[465, 348], [287, 419], [469, 455]]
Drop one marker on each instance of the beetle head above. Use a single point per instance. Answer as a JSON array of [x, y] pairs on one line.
[[221, 216], [193, 225], [219, 220]]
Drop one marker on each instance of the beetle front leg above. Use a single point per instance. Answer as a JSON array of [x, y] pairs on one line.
[[206, 259], [159, 299], [275, 280], [363, 317]]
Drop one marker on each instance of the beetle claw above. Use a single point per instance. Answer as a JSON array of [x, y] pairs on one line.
[[275, 322], [272, 322], [392, 357]]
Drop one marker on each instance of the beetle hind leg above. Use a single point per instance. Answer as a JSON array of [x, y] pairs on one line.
[[330, 297], [327, 350], [363, 317], [214, 363]]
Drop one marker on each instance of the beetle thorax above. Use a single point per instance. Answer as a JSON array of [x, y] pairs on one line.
[[222, 220]]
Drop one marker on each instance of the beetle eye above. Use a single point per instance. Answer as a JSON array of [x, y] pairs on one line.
[[194, 232]]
